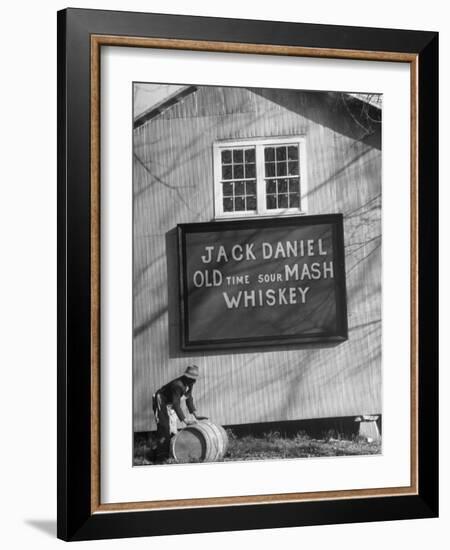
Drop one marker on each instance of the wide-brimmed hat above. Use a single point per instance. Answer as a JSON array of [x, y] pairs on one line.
[[192, 372]]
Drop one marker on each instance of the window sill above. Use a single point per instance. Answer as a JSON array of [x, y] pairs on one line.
[[275, 214]]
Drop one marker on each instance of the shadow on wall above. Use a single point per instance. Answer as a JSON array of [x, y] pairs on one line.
[[344, 114], [173, 295]]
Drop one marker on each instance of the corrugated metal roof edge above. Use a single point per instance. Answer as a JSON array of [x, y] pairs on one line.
[[165, 104]]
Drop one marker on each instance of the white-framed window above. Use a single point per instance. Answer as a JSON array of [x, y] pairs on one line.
[[260, 177]]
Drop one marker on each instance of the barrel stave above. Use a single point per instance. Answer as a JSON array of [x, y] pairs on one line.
[[202, 442]]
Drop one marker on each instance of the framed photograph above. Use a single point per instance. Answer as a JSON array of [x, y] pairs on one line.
[[247, 257]]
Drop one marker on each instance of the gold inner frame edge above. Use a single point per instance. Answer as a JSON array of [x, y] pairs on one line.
[[97, 41]]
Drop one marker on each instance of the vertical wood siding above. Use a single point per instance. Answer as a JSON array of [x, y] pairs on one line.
[[173, 183]]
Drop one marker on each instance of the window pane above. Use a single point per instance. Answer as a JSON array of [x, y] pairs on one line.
[[293, 152], [271, 186], [269, 153], [294, 200], [250, 155], [250, 187], [270, 169], [293, 168], [228, 205], [294, 185], [239, 188], [250, 171], [281, 175], [239, 204], [271, 201], [226, 172], [281, 168], [283, 201], [281, 153], [227, 189], [226, 156], [250, 203], [238, 155], [282, 186], [238, 171]]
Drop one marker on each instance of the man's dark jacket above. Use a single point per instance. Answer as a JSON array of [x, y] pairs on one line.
[[172, 393]]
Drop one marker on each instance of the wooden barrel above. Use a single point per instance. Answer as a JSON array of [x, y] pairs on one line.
[[200, 442]]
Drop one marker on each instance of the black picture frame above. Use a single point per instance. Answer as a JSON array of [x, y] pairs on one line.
[[78, 513], [338, 334]]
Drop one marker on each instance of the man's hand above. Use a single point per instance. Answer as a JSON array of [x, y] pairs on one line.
[[189, 422]]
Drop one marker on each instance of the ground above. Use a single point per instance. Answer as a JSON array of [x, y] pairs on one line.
[[274, 446]]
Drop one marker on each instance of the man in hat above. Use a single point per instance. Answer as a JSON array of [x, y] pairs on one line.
[[167, 408]]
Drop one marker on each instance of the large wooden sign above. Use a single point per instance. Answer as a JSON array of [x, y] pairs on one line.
[[262, 282]]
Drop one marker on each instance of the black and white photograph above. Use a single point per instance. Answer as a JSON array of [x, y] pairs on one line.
[[221, 275], [257, 292]]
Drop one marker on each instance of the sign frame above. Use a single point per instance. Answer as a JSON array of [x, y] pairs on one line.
[[339, 335]]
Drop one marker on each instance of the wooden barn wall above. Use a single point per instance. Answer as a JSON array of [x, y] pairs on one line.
[[173, 183]]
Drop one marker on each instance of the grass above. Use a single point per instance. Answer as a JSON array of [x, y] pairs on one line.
[[273, 445]]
